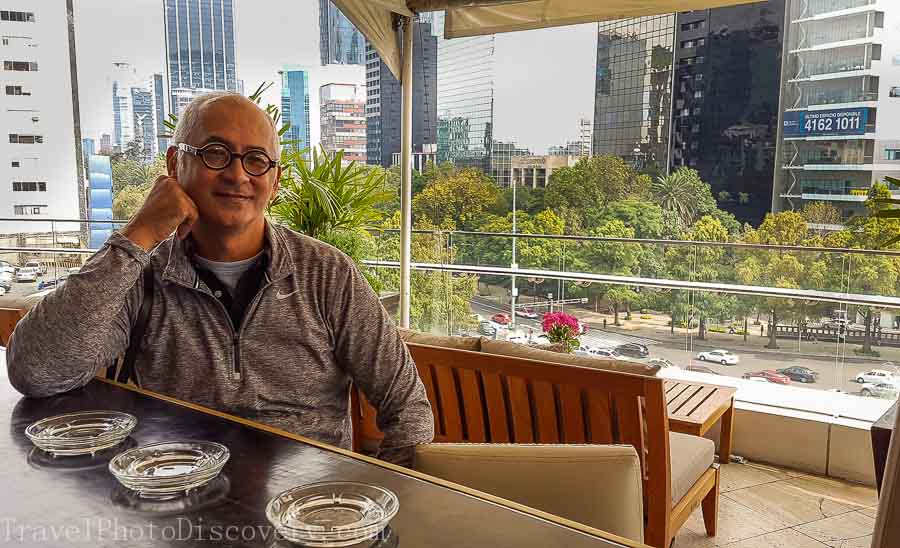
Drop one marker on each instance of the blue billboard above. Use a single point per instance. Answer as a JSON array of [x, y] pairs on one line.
[[842, 121]]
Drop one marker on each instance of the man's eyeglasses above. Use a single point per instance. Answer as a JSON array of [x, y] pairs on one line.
[[217, 156]]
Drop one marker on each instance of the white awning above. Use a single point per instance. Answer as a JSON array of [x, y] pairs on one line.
[[375, 18]]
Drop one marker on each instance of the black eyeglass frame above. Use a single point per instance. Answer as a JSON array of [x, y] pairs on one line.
[[198, 152]]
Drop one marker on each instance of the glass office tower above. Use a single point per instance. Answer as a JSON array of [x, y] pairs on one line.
[[339, 41], [295, 107]]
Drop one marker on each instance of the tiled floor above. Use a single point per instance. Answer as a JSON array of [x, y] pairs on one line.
[[765, 507]]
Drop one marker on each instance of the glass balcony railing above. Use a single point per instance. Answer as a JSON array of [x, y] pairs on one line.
[[825, 158], [812, 328], [818, 33], [821, 7], [817, 63]]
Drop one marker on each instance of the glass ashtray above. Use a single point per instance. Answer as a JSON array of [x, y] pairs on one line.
[[169, 469], [81, 433], [332, 514]]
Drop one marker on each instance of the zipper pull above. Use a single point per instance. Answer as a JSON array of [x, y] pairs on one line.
[[236, 369]]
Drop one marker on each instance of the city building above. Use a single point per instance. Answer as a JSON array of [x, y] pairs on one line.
[[144, 122], [42, 150], [342, 111], [199, 49], [88, 148], [383, 98], [420, 160], [840, 100], [124, 78], [586, 136], [726, 95], [502, 154], [99, 199], [339, 41], [105, 144], [535, 171], [295, 107], [633, 94], [157, 87], [465, 98], [572, 148], [138, 111]]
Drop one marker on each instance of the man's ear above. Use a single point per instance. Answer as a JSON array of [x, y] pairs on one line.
[[172, 161]]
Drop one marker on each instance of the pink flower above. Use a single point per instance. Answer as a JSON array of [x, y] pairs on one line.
[[561, 319]]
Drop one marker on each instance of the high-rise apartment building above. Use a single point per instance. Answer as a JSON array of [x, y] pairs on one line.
[[199, 49], [726, 93], [157, 88], [105, 144], [632, 106], [124, 79], [295, 107], [41, 152], [342, 111], [383, 101], [137, 111], [465, 98], [339, 41], [840, 101]]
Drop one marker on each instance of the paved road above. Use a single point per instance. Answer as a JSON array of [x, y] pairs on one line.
[[833, 373]]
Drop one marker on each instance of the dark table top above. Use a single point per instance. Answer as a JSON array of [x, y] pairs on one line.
[[75, 501]]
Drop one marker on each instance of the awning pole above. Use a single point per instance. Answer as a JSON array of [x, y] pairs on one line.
[[406, 79]]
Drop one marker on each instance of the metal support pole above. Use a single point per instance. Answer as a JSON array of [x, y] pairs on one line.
[[406, 79], [515, 266]]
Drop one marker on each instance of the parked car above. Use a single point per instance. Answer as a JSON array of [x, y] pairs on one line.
[[633, 350], [6, 266], [502, 319], [526, 313], [486, 328], [800, 374], [5, 285], [606, 353], [720, 356], [701, 369], [768, 374], [26, 274], [875, 376], [887, 390], [39, 268]]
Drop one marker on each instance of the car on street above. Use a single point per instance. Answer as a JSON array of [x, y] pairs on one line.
[[526, 313], [607, 353], [26, 274], [719, 356], [633, 350], [487, 328], [502, 319], [5, 284], [799, 374], [39, 268], [6, 266], [768, 374], [701, 369], [875, 376], [887, 390], [662, 363]]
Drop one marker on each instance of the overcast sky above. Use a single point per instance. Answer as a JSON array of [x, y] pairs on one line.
[[544, 79]]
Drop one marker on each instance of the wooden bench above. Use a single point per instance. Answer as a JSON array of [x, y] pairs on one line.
[[489, 398]]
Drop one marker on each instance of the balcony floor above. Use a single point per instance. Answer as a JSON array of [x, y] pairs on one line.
[[762, 506]]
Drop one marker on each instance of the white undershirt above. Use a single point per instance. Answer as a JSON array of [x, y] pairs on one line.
[[228, 273]]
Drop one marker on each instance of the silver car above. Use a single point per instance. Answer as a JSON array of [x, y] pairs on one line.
[[880, 390], [26, 275]]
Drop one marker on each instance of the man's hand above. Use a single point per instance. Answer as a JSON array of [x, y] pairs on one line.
[[167, 208]]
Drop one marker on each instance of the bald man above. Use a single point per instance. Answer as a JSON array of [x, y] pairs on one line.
[[247, 317]]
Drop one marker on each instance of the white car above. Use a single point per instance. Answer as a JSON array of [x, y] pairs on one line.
[[719, 356], [526, 313], [887, 390], [606, 353], [38, 268], [875, 376], [26, 275]]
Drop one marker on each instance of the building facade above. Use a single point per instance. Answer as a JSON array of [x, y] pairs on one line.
[[342, 111], [41, 153], [157, 87], [124, 78], [535, 171], [199, 49], [295, 107], [383, 101], [502, 154], [632, 105], [100, 199], [339, 41], [105, 144], [840, 100], [726, 96], [465, 98]]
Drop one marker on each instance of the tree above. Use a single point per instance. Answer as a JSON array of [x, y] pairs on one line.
[[458, 199], [613, 258], [684, 194], [129, 200], [819, 216], [127, 171]]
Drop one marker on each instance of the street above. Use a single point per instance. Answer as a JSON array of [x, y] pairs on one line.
[[834, 371]]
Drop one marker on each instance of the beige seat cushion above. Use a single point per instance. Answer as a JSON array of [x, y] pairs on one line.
[[459, 343], [691, 457], [505, 348], [597, 485]]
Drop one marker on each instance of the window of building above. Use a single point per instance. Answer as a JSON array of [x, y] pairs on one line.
[[25, 139], [696, 25], [892, 154], [29, 209], [17, 90], [17, 16], [698, 94], [700, 42], [687, 44], [698, 77], [29, 186], [15, 163], [21, 66]]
